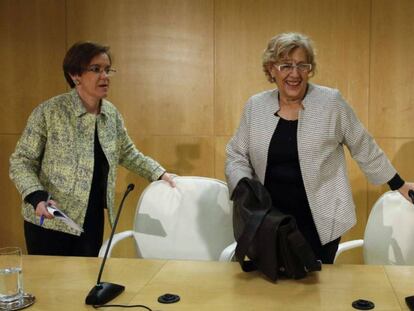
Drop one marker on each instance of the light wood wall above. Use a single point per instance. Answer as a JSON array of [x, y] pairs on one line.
[[186, 68]]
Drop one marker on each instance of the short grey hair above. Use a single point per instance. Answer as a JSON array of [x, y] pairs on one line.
[[282, 45]]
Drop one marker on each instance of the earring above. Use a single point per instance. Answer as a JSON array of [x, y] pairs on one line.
[[76, 82]]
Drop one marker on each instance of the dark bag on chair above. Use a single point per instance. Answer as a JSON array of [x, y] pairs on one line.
[[269, 238]]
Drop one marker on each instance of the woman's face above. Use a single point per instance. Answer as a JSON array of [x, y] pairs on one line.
[[93, 83], [291, 82]]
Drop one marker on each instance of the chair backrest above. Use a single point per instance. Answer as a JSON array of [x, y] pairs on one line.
[[191, 221], [389, 232]]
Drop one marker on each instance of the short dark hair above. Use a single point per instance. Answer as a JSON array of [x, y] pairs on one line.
[[79, 56]]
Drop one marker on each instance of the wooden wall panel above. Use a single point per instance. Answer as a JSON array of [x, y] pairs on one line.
[[11, 223], [391, 109], [32, 36], [183, 155], [391, 106], [164, 54]]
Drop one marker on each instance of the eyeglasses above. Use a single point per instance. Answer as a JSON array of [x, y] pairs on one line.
[[286, 68], [98, 70]]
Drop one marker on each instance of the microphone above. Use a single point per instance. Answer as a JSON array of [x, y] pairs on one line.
[[103, 292]]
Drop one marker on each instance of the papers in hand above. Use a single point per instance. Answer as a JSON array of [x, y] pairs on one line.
[[58, 214]]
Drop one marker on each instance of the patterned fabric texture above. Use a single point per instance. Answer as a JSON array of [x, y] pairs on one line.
[[326, 123], [56, 154]]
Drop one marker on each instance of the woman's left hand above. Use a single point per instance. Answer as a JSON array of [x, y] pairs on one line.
[[405, 189], [168, 178]]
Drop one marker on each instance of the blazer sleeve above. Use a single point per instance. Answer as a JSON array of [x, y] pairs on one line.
[[362, 146], [238, 163]]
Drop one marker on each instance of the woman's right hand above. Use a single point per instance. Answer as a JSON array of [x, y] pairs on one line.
[[41, 209], [169, 179]]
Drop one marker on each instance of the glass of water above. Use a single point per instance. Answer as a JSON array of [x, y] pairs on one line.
[[11, 280]]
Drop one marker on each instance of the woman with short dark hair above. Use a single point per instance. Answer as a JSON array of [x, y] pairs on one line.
[[68, 155]]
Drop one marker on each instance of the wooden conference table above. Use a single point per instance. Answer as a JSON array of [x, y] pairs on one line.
[[62, 283]]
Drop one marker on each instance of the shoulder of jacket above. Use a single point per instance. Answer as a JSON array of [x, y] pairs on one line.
[[53, 103], [112, 112], [324, 96], [109, 105], [262, 96], [262, 99], [329, 100], [323, 91]]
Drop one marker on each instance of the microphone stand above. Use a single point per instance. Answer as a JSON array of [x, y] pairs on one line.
[[103, 292]]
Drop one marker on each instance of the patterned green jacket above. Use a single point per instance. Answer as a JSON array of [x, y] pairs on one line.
[[56, 153]]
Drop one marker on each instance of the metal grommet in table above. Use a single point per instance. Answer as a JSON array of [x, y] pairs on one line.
[[168, 298], [362, 304]]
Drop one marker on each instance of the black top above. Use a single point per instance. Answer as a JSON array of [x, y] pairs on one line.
[[94, 219], [97, 197], [283, 177]]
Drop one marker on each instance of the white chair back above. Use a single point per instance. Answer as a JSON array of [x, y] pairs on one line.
[[389, 234], [191, 221]]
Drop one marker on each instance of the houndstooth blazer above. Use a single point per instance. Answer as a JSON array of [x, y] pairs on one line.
[[325, 125]]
